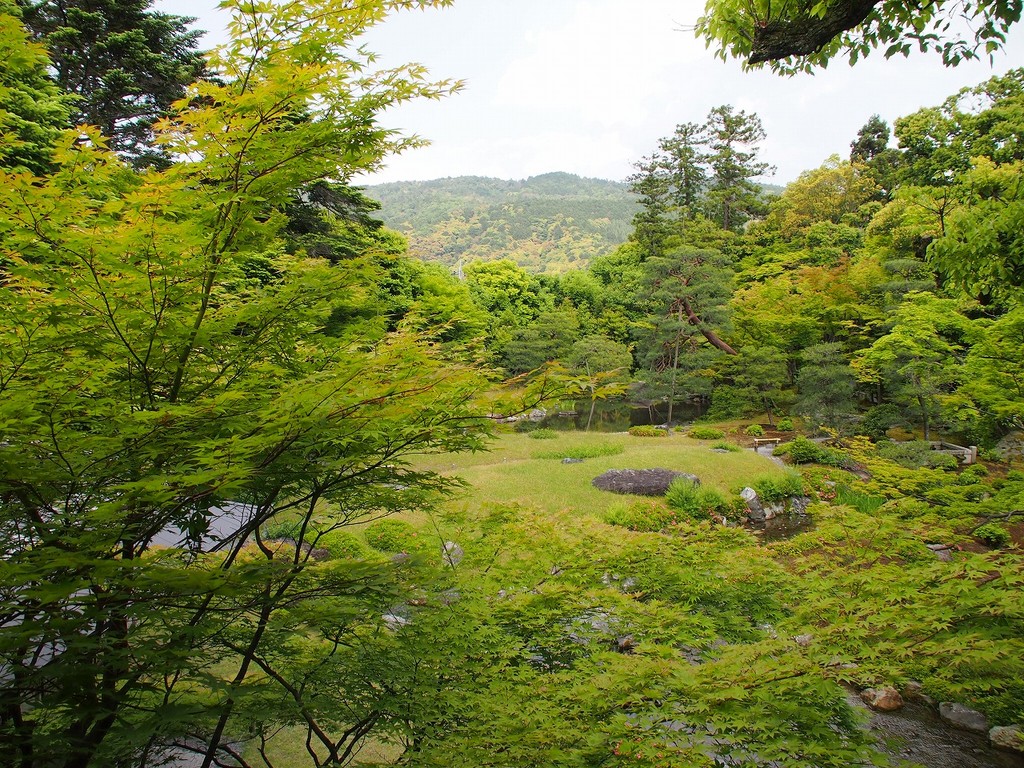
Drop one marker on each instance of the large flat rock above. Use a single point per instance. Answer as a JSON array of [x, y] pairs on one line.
[[640, 482]]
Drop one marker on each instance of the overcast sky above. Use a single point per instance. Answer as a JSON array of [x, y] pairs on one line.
[[588, 87]]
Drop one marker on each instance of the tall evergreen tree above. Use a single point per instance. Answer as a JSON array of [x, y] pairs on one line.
[[32, 109], [733, 137], [126, 64]]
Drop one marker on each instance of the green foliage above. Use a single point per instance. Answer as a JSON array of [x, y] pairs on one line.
[[827, 385], [915, 454], [544, 433], [582, 452], [722, 445], [804, 451], [125, 64], [879, 420], [804, 38], [972, 474], [705, 433], [695, 501], [864, 503], [785, 424], [32, 110], [728, 402], [390, 536], [282, 529], [642, 515], [773, 490], [647, 430], [158, 337], [754, 430], [993, 534], [344, 545]]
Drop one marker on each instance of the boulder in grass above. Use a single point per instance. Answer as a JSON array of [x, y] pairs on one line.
[[640, 482]]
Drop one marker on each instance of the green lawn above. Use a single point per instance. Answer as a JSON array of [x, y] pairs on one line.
[[511, 471]]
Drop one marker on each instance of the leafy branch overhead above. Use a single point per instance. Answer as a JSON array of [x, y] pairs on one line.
[[800, 36]]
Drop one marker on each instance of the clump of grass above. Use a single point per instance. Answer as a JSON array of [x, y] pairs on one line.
[[706, 433], [696, 502], [645, 515], [647, 430], [582, 452], [862, 502], [543, 434], [785, 425], [755, 430], [722, 445]]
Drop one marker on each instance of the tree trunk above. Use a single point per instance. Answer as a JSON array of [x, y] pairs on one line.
[[707, 332]]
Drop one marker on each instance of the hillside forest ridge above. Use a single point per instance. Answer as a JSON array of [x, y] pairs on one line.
[[677, 471]]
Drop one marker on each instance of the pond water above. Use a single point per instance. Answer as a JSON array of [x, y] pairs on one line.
[[619, 416], [781, 527]]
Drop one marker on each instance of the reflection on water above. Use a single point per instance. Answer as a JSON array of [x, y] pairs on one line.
[[619, 416], [782, 527]]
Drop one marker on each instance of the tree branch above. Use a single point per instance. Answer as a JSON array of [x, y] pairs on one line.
[[804, 35]]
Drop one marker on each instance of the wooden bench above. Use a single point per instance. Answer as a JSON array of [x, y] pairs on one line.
[[759, 441]]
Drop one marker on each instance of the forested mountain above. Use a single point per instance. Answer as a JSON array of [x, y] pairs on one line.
[[549, 223]]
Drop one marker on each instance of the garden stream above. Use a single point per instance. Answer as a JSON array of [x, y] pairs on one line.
[[916, 734]]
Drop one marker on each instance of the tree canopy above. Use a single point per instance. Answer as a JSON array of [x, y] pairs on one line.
[[793, 37]]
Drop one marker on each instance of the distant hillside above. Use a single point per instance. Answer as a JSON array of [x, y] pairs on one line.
[[549, 223]]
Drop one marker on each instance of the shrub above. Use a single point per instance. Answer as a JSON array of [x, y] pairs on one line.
[[544, 433], [343, 545], [972, 474], [990, 454], [804, 451], [646, 515], [755, 430], [785, 425], [993, 534], [695, 501], [722, 445], [706, 433], [879, 420], [916, 454], [773, 489], [581, 452], [390, 535], [647, 430], [1015, 475]]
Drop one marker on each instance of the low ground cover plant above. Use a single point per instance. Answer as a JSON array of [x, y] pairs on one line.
[[646, 430], [706, 433], [544, 433], [582, 452]]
